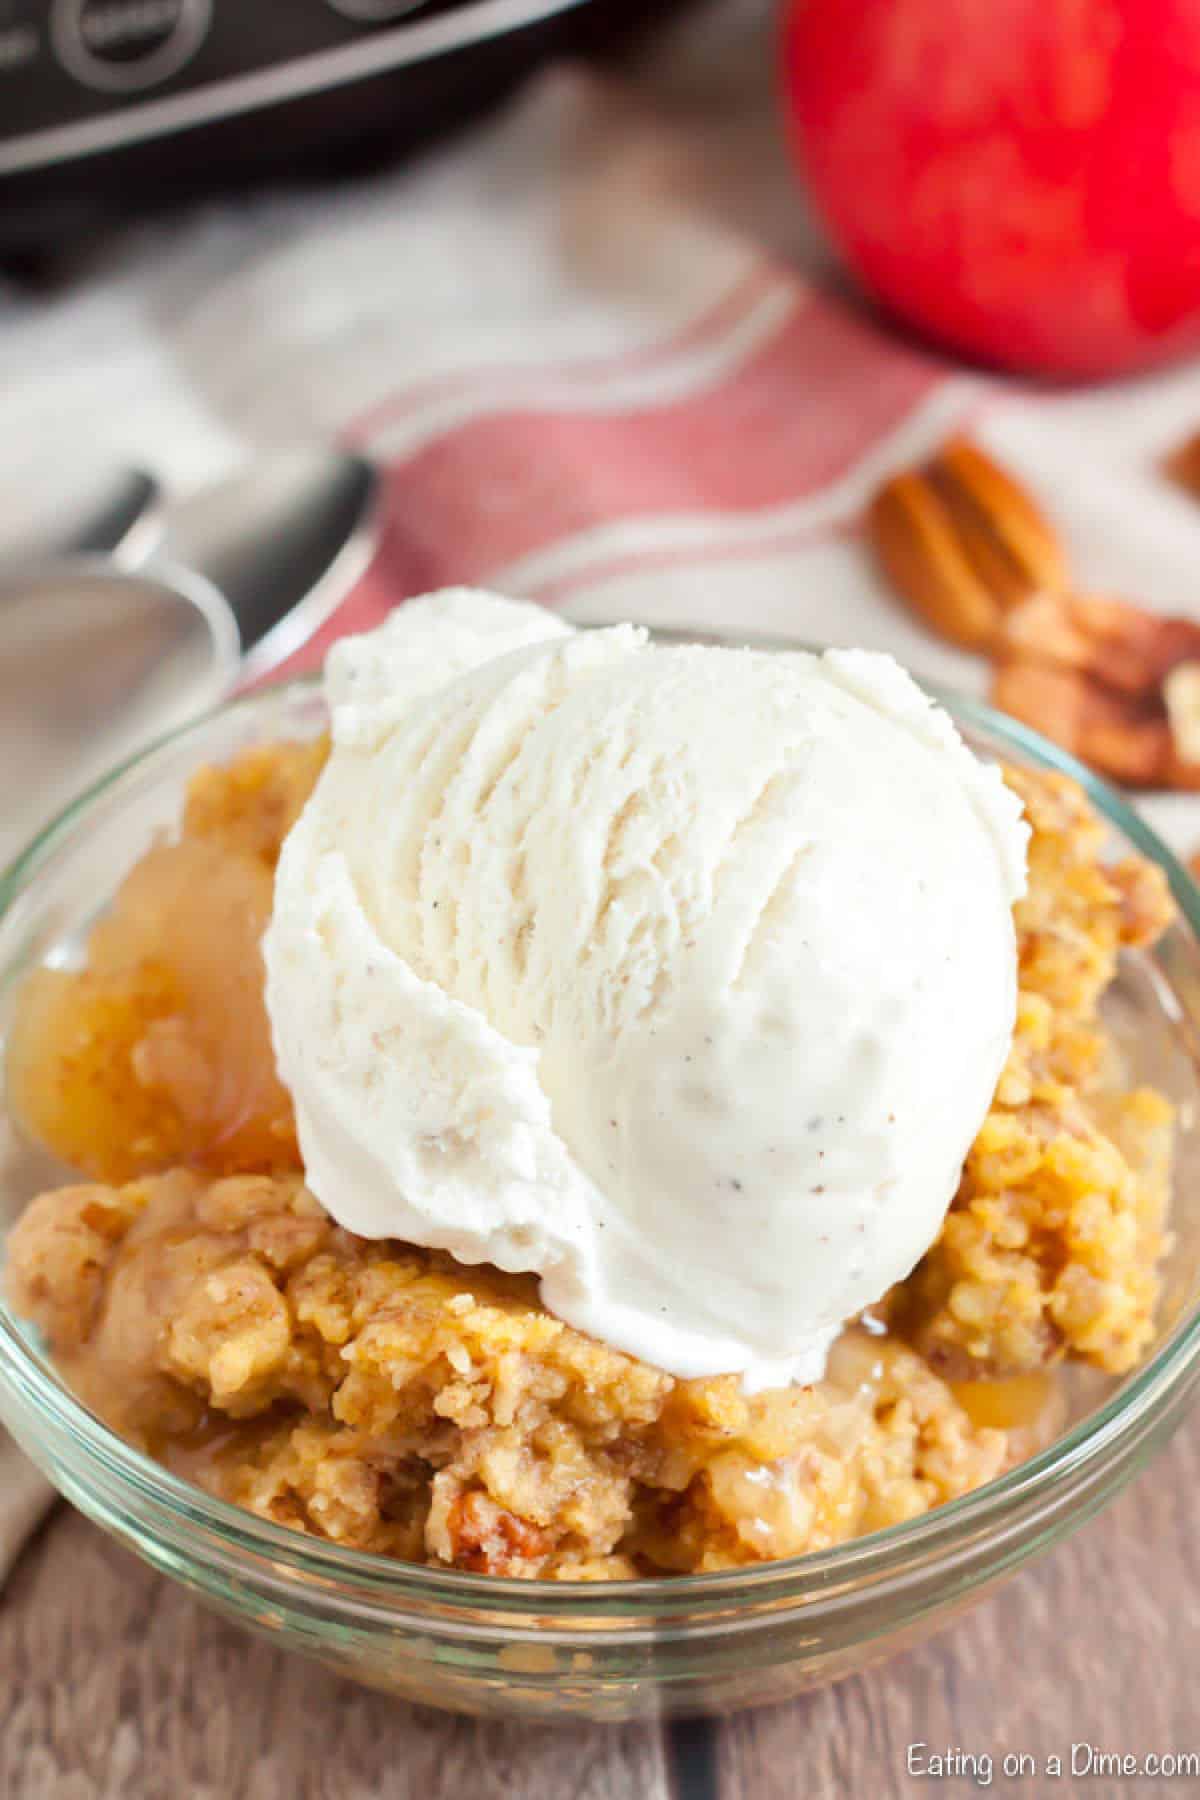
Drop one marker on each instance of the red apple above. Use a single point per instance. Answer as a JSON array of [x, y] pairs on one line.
[[1017, 178]]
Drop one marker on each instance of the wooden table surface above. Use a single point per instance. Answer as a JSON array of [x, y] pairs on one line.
[[118, 1686]]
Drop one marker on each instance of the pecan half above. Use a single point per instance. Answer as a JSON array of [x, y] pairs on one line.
[[1116, 686], [963, 542], [1183, 465]]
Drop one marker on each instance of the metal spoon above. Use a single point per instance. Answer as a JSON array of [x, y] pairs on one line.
[[96, 659], [81, 511], [285, 542], [285, 539]]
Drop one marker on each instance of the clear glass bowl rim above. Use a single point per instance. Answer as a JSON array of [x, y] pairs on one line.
[[890, 1553]]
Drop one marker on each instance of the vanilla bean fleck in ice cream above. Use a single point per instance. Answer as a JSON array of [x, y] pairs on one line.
[[681, 976]]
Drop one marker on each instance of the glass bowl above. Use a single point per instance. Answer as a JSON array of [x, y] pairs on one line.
[[483, 1644]]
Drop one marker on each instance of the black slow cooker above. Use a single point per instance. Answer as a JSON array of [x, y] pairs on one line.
[[112, 105]]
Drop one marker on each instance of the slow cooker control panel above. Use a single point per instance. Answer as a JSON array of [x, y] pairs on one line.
[[69, 62], [124, 46]]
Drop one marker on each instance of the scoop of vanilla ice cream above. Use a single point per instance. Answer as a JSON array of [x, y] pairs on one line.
[[681, 976]]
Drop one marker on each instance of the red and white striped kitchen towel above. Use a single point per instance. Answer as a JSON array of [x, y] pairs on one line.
[[598, 352]]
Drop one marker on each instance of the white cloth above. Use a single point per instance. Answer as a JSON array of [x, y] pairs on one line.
[[604, 357]]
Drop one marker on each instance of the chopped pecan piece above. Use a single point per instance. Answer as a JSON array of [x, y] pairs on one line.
[[1116, 685], [1122, 736], [1113, 641], [489, 1540], [1181, 692]]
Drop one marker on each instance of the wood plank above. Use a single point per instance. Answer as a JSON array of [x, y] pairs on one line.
[[1097, 1644], [120, 1687]]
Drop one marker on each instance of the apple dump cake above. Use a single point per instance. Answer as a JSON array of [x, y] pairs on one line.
[[295, 1281]]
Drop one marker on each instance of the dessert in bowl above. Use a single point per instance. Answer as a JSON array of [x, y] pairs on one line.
[[362, 1326]]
